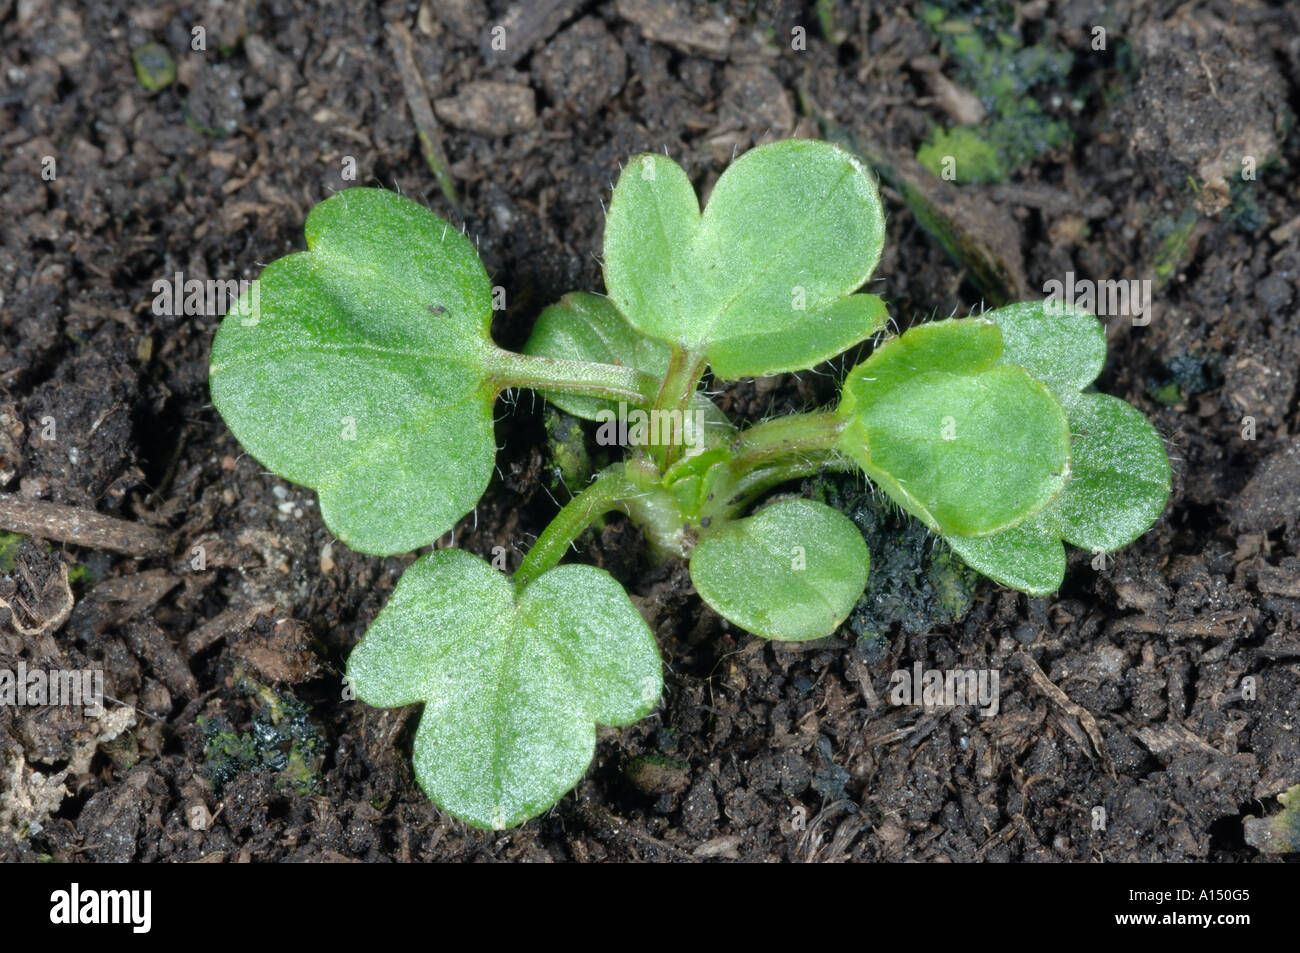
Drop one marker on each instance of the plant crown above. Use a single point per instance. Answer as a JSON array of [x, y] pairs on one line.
[[367, 372]]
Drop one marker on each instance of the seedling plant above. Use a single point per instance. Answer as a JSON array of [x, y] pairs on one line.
[[365, 370]]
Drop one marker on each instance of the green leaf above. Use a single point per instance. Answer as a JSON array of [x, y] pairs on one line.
[[1028, 557], [513, 681], [759, 282], [1064, 348], [1119, 481], [963, 442], [793, 571], [359, 369]]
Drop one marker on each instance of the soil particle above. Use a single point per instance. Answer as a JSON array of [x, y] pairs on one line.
[[582, 68], [282, 651], [755, 108], [112, 819], [80, 448], [489, 108], [522, 29], [668, 24], [655, 774], [700, 809], [1268, 501], [784, 772], [1205, 102]]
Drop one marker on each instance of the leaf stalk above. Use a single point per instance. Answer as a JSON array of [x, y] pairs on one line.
[[613, 381]]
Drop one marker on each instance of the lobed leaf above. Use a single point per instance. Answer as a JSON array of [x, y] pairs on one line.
[[760, 282], [359, 369], [1120, 479], [793, 571], [514, 681], [962, 441]]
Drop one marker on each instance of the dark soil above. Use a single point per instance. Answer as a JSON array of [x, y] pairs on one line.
[[1125, 692]]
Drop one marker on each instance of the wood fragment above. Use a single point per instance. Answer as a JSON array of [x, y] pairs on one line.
[[222, 625], [1171, 739], [727, 846], [1052, 200], [148, 641], [1063, 701], [859, 673], [78, 526], [466, 18], [118, 600], [961, 105], [1282, 234], [1278, 581], [1001, 837], [1202, 626], [810, 844], [417, 100]]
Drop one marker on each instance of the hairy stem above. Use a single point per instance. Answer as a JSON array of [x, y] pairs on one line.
[[613, 381], [605, 493], [685, 368], [782, 438], [751, 485]]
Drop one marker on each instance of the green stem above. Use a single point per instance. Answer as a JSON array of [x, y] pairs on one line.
[[772, 441], [774, 452], [685, 368], [750, 486], [605, 493], [508, 369]]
